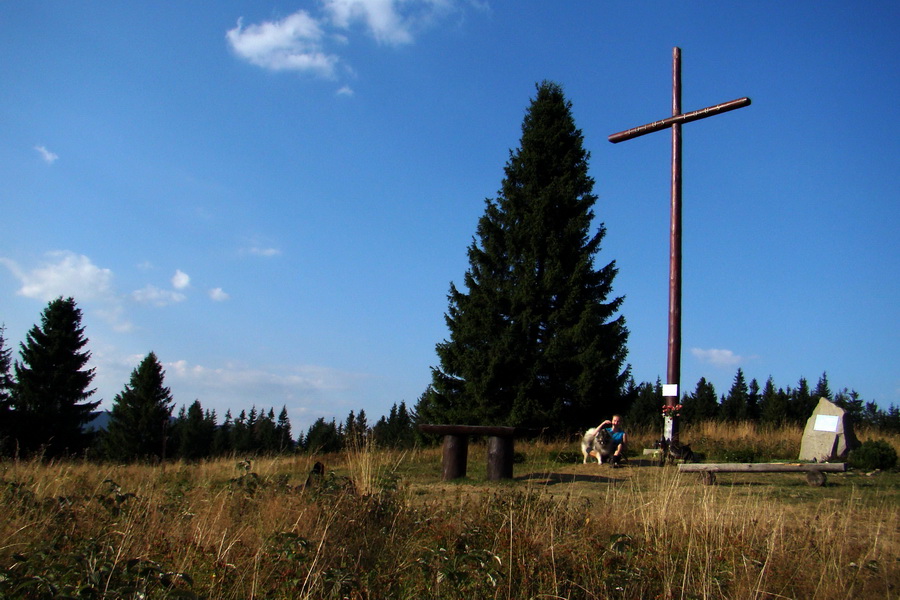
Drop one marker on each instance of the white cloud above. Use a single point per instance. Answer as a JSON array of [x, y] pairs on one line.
[[300, 41], [717, 357], [266, 252], [49, 157], [180, 280], [291, 44], [66, 274], [218, 295], [114, 314], [381, 17], [345, 91], [151, 294], [390, 22]]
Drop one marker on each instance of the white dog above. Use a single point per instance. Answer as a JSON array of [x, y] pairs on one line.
[[598, 443]]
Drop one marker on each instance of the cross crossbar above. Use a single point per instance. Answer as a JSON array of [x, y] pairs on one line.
[[685, 118]]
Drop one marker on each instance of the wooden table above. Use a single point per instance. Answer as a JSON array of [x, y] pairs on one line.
[[455, 456]]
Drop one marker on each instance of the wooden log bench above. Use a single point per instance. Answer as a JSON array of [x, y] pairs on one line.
[[815, 472], [455, 453]]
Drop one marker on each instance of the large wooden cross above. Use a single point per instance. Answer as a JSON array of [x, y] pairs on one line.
[[673, 371]]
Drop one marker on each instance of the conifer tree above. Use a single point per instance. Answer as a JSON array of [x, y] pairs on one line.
[[396, 430], [322, 437], [753, 401], [646, 411], [139, 420], [822, 389], [871, 414], [283, 431], [196, 429], [773, 405], [50, 396], [734, 405], [6, 384], [265, 437], [534, 339], [801, 403], [851, 402], [241, 434], [702, 405], [222, 438], [402, 431], [350, 430]]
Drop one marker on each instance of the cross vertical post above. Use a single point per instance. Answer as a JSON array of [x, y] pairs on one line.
[[673, 354], [672, 390]]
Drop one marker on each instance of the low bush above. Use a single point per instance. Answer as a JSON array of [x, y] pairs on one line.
[[745, 454], [873, 454]]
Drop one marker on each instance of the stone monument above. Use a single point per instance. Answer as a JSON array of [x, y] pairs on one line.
[[828, 434]]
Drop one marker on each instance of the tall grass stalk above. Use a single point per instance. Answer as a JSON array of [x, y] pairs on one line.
[[371, 469]]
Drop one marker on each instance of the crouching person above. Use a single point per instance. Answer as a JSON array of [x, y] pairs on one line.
[[619, 438]]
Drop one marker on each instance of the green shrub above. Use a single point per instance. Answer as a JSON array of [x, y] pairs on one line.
[[873, 454], [741, 455]]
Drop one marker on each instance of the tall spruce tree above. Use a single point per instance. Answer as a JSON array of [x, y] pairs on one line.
[[734, 405], [753, 410], [194, 432], [702, 405], [773, 404], [139, 420], [822, 389], [534, 339], [801, 402], [265, 437], [283, 431], [50, 396]]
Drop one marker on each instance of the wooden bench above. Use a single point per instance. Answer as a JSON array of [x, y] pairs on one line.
[[815, 472], [455, 455]]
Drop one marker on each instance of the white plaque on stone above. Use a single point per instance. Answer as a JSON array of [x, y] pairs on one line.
[[670, 390], [827, 423]]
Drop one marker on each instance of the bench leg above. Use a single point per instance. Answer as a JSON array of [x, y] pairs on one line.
[[815, 478], [500, 458], [455, 456], [707, 477]]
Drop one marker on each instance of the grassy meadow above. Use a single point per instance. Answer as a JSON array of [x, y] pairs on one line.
[[381, 524]]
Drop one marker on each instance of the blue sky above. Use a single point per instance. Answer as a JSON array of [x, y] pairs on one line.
[[275, 196]]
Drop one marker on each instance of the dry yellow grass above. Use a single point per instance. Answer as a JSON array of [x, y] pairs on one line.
[[380, 524]]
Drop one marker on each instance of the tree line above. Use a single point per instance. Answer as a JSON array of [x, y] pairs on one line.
[[46, 409], [747, 401]]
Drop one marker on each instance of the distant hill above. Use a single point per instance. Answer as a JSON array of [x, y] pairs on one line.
[[99, 421]]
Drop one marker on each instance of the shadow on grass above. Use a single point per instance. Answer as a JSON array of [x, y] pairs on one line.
[[555, 478]]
